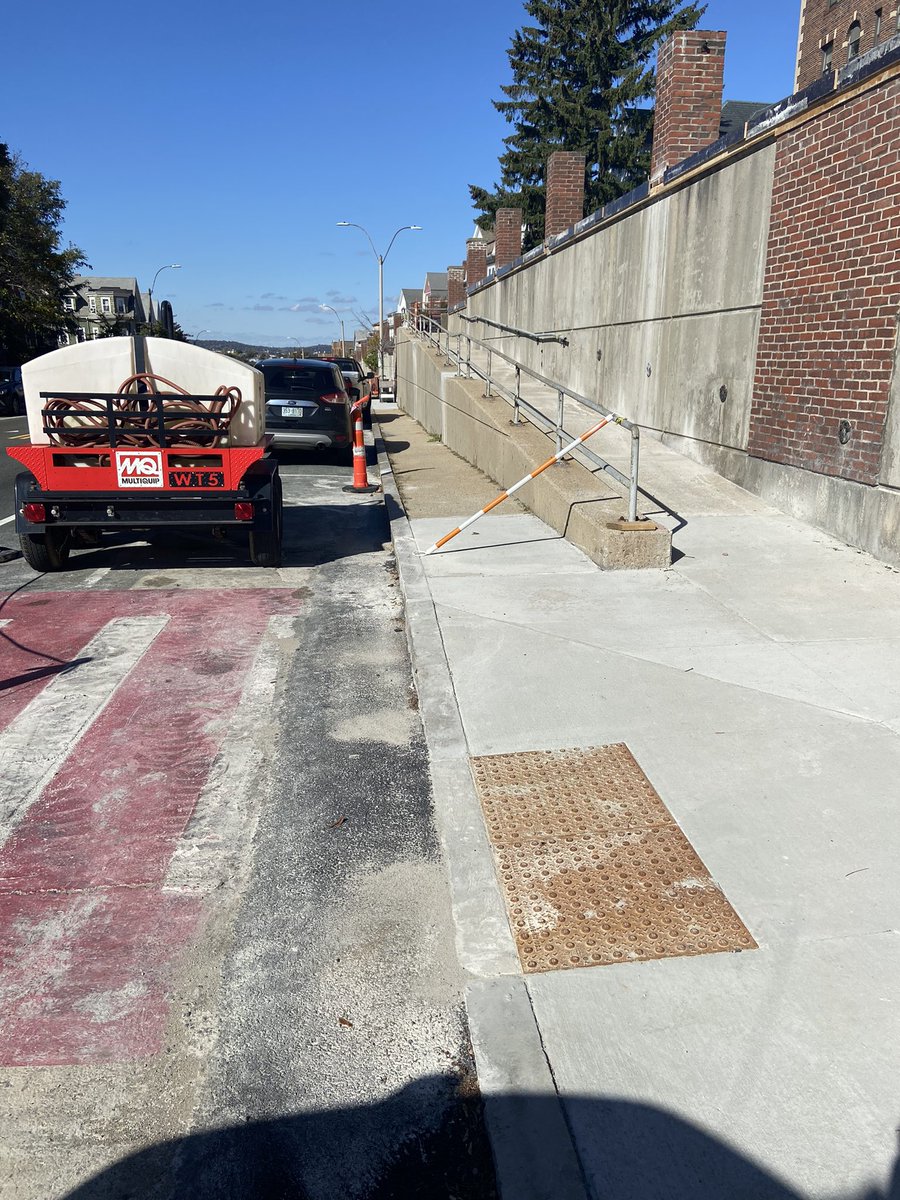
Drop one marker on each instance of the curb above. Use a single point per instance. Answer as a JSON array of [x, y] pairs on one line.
[[534, 1153]]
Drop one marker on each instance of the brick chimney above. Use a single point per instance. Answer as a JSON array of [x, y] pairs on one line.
[[508, 236], [565, 191], [456, 286], [688, 97], [476, 261]]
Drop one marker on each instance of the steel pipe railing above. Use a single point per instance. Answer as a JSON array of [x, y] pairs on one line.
[[440, 338], [512, 329]]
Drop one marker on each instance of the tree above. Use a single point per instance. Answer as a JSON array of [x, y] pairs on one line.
[[583, 79], [34, 270]]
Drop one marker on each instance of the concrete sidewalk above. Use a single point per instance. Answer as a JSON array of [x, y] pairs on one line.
[[757, 685]]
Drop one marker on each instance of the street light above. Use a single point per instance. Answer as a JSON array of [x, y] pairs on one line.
[[167, 267], [380, 258], [199, 331], [341, 319]]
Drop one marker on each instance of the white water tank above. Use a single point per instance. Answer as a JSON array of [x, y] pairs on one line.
[[104, 364]]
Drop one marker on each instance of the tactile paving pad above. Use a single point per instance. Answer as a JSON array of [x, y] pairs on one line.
[[594, 867]]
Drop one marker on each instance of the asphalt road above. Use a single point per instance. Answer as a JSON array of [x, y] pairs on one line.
[[13, 430], [229, 962]]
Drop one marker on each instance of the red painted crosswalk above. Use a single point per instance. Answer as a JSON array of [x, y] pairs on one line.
[[88, 935]]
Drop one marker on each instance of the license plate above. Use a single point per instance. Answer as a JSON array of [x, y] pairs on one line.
[[292, 412]]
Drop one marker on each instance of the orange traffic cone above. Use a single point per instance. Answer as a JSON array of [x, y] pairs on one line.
[[360, 477]]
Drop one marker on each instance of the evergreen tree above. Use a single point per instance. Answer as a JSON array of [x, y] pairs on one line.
[[583, 77], [34, 270]]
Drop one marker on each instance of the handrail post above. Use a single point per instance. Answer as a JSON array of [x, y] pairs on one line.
[[518, 395], [468, 357], [487, 382], [560, 417], [458, 355], [635, 463]]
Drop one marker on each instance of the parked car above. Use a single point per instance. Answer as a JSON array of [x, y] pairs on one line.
[[359, 383], [12, 394], [308, 404]]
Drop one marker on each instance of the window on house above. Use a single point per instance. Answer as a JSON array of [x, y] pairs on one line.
[[95, 331], [69, 303], [92, 304], [878, 13], [854, 37], [79, 335], [106, 304], [64, 339], [828, 58], [120, 305]]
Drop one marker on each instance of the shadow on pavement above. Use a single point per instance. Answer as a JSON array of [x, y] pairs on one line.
[[632, 1152], [314, 534]]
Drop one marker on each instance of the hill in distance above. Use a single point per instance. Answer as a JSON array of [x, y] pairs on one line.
[[245, 350]]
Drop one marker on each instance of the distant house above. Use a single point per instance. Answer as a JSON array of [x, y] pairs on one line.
[[736, 114], [435, 292], [104, 305], [408, 298]]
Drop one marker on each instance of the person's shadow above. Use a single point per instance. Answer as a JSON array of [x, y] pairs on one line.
[[628, 1152]]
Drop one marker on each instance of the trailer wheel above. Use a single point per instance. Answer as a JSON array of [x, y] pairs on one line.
[[265, 544], [45, 551]]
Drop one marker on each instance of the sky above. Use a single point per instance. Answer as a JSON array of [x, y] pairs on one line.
[[231, 138]]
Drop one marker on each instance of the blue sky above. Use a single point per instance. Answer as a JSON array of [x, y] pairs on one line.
[[231, 138]]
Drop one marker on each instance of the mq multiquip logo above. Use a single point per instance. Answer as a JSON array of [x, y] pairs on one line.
[[139, 468]]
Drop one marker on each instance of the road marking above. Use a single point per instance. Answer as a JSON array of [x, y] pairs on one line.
[[6, 520], [211, 852], [95, 577], [90, 939], [35, 743]]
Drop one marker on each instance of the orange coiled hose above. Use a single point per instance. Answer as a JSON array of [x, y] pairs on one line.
[[193, 422]]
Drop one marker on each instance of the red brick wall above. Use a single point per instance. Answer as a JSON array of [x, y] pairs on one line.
[[508, 235], [822, 21], [456, 286], [565, 191], [832, 289], [476, 261], [689, 75]]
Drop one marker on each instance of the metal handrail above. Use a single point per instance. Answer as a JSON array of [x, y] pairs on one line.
[[432, 332], [524, 333]]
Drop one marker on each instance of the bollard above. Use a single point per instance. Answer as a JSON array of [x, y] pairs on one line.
[[360, 477]]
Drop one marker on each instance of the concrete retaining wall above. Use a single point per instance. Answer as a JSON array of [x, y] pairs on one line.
[[662, 311], [676, 287]]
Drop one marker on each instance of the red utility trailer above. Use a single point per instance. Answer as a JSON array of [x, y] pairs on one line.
[[135, 434]]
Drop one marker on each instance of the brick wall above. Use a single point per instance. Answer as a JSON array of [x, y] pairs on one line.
[[508, 235], [565, 191], [831, 291], [476, 261], [823, 22], [689, 75], [456, 286]]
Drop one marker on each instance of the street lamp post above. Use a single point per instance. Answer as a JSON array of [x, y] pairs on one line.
[[167, 267], [380, 259], [341, 319]]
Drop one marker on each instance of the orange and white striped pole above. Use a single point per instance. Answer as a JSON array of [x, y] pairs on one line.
[[360, 475], [612, 418]]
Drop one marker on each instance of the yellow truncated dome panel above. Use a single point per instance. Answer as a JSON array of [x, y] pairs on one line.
[[594, 868]]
